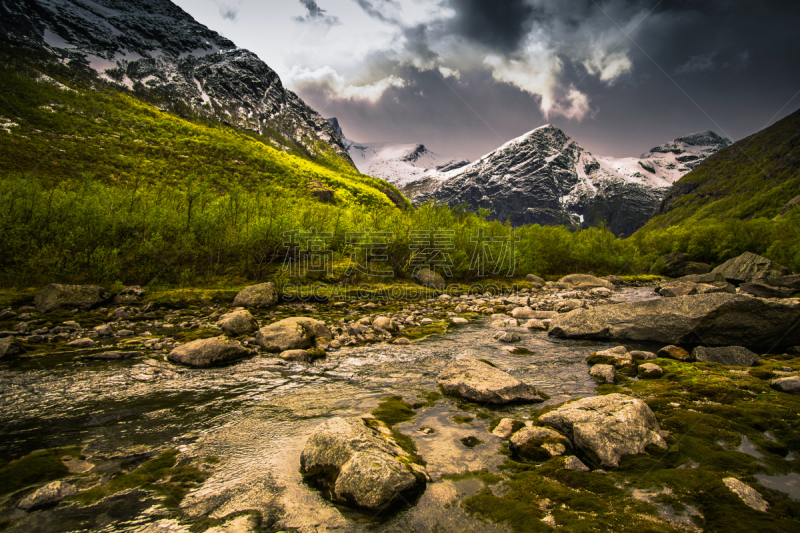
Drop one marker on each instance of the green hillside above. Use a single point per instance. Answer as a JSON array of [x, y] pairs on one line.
[[731, 202], [59, 128]]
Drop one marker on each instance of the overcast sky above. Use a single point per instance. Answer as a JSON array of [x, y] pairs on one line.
[[464, 76]]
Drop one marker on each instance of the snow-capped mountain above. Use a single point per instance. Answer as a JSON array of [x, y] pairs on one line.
[[545, 177], [159, 52], [412, 168]]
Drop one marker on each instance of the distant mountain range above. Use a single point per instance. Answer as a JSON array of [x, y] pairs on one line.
[[159, 52], [542, 177]]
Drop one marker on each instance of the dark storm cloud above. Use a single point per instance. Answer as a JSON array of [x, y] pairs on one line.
[[317, 14], [501, 26], [651, 71], [379, 10]]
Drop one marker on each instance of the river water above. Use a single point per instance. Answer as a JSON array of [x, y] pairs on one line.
[[256, 415]]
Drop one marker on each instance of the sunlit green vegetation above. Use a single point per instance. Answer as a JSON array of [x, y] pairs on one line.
[[99, 186]]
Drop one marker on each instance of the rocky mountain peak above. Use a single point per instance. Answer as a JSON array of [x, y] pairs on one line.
[[153, 47]]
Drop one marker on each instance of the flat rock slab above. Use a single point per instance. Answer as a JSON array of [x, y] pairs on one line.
[[725, 355], [607, 427], [748, 494], [113, 355], [478, 381], [358, 462], [750, 267], [715, 319]]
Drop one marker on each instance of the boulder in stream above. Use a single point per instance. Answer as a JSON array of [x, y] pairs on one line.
[[583, 282], [605, 428], [715, 319], [47, 495], [238, 322], [209, 352], [358, 462], [296, 333], [56, 296], [429, 278], [538, 443], [481, 382], [261, 295]]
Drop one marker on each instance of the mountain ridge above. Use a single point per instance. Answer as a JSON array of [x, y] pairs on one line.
[[156, 50]]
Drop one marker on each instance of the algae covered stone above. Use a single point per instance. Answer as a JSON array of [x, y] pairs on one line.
[[538, 443], [607, 427]]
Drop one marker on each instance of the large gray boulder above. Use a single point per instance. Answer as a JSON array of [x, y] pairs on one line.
[[295, 333], [56, 296], [583, 282], [533, 278], [238, 322], [478, 381], [429, 278], [716, 319], [209, 352], [606, 428], [358, 462], [261, 295], [725, 355], [750, 267]]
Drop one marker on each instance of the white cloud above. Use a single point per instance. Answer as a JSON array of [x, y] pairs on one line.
[[450, 73], [608, 67], [537, 74], [329, 80]]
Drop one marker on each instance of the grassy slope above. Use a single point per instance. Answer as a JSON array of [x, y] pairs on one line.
[[752, 178], [77, 132]]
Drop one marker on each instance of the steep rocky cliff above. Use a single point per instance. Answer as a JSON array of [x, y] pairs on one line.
[[158, 51]]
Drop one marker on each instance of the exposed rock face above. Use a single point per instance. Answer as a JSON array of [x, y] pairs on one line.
[[790, 384], [238, 322], [545, 177], [155, 48], [56, 296], [296, 333], [429, 278], [475, 380], [261, 295], [583, 282], [538, 443], [209, 352], [725, 355], [51, 493], [748, 494], [750, 267], [358, 464], [607, 427], [716, 319]]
